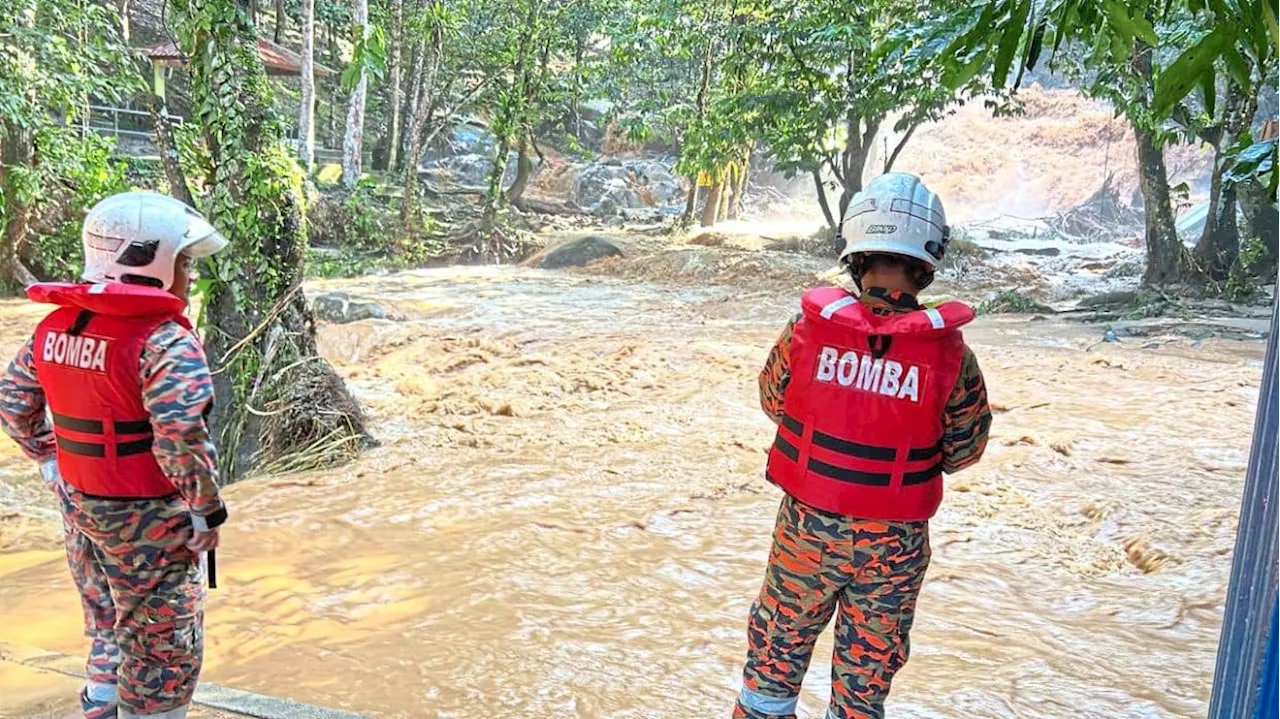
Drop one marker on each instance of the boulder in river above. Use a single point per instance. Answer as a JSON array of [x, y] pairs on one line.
[[656, 180], [472, 170], [579, 253], [604, 189], [339, 308]]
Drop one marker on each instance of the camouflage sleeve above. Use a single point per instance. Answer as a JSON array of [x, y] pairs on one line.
[[776, 373], [176, 390], [968, 418], [22, 407]]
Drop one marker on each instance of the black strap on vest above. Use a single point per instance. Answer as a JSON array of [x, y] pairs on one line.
[[858, 451], [883, 340], [94, 426], [82, 320], [899, 300]]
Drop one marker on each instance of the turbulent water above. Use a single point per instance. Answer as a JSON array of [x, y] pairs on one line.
[[568, 518]]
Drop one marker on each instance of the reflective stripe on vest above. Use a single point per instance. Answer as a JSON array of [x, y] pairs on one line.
[[99, 449], [858, 452]]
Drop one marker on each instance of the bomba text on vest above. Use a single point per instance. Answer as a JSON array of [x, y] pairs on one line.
[[76, 351], [885, 377]]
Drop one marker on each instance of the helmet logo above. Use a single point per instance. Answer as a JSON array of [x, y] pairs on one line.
[[881, 229]]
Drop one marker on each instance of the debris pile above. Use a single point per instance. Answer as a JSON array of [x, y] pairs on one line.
[[1101, 217]]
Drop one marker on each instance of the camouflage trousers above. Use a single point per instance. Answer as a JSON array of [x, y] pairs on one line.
[[142, 592], [867, 574]]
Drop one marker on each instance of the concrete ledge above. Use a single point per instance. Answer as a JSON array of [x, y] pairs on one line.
[[50, 679], [263, 706]]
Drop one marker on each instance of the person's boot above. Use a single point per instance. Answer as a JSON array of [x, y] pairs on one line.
[[98, 701]]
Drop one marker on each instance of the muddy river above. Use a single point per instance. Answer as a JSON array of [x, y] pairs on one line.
[[567, 517]]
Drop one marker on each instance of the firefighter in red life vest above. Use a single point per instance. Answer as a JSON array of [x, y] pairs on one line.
[[127, 452], [875, 397]]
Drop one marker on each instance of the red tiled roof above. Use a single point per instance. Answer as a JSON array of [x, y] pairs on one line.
[[277, 59]]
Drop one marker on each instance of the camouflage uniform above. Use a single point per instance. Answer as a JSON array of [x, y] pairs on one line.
[[865, 573], [142, 590]]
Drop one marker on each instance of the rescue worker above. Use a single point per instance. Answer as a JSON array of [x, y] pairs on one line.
[[875, 397], [128, 453]]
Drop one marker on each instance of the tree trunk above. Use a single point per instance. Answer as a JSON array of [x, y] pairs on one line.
[[168, 147], [712, 206], [520, 76], [855, 165], [744, 179], [690, 200], [396, 71], [17, 149], [1219, 244], [493, 196], [415, 92], [1167, 259], [726, 195], [124, 21], [278, 36], [423, 95], [730, 199], [280, 404], [353, 141], [307, 111], [1165, 253], [524, 170], [704, 91], [333, 62], [821, 191], [575, 104], [1261, 222]]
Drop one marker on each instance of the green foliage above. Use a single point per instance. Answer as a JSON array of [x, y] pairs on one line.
[[1241, 285], [56, 55], [369, 57], [254, 196], [1254, 161], [331, 264], [73, 174], [145, 173], [1010, 302], [1194, 39], [76, 172]]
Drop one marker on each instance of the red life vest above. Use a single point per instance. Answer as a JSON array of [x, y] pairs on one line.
[[90, 375], [862, 428]]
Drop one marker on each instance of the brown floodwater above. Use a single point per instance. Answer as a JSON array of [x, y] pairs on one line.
[[568, 518]]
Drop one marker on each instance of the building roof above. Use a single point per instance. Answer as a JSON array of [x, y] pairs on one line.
[[277, 59]]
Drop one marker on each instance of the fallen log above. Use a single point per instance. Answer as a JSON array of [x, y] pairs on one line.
[[544, 207]]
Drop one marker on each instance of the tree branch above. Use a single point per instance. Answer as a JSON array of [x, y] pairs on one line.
[[868, 137], [447, 117], [830, 161], [888, 165], [822, 198]]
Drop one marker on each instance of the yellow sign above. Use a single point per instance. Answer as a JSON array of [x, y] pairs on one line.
[[704, 179]]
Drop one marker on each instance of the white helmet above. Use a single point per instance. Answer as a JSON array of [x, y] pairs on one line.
[[137, 236], [895, 214]]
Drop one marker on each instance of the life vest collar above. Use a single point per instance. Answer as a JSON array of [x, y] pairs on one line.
[[111, 298], [839, 306]]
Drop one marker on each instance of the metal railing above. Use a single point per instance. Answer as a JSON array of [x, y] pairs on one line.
[[128, 122], [137, 123]]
